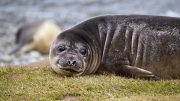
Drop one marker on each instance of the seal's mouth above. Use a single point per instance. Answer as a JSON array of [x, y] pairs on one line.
[[70, 69]]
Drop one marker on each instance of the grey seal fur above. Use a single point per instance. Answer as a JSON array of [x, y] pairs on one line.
[[139, 46]]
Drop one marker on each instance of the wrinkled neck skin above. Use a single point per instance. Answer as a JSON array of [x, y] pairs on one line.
[[77, 36], [137, 40], [94, 55]]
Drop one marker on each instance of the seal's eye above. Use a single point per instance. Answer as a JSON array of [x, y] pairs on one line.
[[60, 48], [83, 52]]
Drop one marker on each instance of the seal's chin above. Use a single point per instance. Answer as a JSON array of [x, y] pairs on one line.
[[66, 71], [70, 69]]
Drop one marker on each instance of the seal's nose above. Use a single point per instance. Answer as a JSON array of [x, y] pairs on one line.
[[71, 63]]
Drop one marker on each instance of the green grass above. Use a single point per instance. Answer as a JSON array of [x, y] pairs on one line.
[[43, 84]]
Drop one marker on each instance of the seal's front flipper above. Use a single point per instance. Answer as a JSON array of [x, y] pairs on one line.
[[24, 48], [136, 72], [15, 50]]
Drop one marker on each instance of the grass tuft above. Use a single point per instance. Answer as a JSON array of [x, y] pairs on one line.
[[43, 84]]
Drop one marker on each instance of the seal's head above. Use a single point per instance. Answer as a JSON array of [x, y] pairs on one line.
[[73, 53]]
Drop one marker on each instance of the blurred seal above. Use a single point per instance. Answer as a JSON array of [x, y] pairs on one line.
[[37, 35]]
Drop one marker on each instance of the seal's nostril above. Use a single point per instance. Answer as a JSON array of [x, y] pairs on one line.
[[74, 63], [69, 63]]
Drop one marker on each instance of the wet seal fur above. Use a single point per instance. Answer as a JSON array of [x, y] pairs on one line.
[[37, 35], [139, 46]]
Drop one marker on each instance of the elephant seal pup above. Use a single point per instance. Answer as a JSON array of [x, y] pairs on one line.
[[37, 35], [139, 46]]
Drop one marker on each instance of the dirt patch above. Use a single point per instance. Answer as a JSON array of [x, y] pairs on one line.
[[69, 97], [17, 76]]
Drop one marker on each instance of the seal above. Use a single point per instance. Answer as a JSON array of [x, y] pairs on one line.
[[37, 35], [139, 46]]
